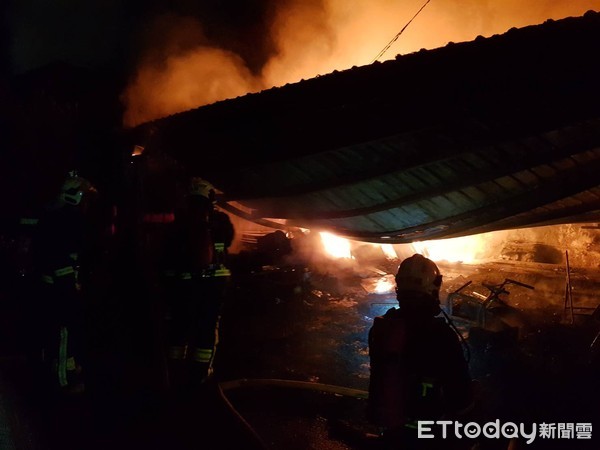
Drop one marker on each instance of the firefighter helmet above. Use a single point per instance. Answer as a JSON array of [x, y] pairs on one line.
[[201, 187], [74, 188], [419, 274]]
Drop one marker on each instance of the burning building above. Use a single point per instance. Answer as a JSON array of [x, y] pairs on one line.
[[464, 139], [481, 155]]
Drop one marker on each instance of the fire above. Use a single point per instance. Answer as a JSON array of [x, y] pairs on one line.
[[385, 285], [336, 246], [388, 251], [339, 247], [466, 249]]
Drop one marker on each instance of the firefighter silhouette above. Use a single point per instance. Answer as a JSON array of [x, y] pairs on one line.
[[60, 248], [197, 278], [418, 369]]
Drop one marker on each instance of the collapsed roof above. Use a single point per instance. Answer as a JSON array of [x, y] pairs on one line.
[[498, 133]]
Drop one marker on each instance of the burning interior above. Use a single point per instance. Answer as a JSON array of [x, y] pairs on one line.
[[525, 301]]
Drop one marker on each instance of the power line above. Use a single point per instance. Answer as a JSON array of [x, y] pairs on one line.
[[386, 48]]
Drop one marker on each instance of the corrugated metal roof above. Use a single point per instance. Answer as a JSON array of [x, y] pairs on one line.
[[497, 133]]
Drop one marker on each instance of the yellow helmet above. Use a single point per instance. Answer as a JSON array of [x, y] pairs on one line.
[[200, 187], [74, 188]]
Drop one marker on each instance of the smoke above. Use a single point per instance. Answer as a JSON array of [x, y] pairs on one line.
[[200, 77], [309, 38], [185, 71]]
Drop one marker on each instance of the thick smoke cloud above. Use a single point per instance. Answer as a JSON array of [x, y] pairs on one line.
[[184, 70], [302, 39]]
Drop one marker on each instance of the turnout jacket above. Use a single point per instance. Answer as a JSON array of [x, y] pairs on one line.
[[418, 370]]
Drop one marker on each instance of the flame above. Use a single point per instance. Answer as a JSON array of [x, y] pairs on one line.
[[385, 285], [336, 246], [388, 251], [467, 249], [339, 247]]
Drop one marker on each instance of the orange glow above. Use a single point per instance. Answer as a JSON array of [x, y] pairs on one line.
[[467, 249], [335, 246], [340, 247], [315, 38], [205, 76], [388, 251], [385, 285]]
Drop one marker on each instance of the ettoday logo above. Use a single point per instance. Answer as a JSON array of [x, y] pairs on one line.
[[429, 429]]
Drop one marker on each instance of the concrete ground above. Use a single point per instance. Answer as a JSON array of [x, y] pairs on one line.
[[292, 366], [319, 335]]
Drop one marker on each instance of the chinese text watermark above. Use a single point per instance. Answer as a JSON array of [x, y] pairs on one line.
[[428, 429]]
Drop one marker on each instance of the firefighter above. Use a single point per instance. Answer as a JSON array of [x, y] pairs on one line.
[[60, 258], [418, 368], [199, 278]]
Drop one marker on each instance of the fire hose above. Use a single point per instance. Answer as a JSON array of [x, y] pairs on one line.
[[224, 386]]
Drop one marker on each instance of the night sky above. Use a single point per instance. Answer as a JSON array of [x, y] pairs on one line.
[[98, 33]]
